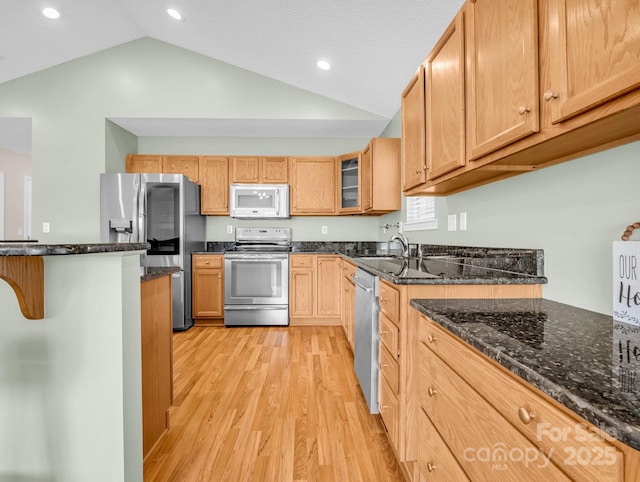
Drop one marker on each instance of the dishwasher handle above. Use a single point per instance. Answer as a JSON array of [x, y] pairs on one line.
[[356, 280]]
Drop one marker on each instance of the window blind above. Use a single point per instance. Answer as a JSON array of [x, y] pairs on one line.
[[421, 213]]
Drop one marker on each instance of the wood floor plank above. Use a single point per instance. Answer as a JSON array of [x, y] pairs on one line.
[[269, 404]]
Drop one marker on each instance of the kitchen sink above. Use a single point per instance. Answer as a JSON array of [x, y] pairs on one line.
[[398, 266]]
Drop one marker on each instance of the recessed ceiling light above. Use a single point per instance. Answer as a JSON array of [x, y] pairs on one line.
[[174, 14], [51, 13], [324, 65]]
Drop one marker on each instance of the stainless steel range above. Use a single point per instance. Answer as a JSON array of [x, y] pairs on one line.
[[256, 281]]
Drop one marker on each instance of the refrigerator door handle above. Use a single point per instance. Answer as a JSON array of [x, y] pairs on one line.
[[142, 209]]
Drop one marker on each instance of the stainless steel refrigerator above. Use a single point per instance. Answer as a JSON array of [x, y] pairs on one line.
[[164, 211]]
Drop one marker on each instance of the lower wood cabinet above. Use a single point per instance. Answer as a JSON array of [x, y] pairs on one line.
[[348, 301], [157, 361], [479, 420], [208, 289], [314, 289]]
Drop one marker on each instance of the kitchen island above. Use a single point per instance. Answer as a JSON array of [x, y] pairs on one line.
[[582, 360], [70, 382]]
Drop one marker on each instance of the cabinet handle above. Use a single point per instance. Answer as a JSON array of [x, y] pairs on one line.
[[418, 171], [432, 391], [431, 338], [431, 467], [549, 94], [384, 299], [383, 365], [384, 407], [384, 332], [522, 110], [525, 415]]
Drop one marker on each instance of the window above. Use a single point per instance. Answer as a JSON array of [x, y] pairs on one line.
[[421, 213]]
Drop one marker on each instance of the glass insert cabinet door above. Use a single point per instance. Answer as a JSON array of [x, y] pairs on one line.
[[349, 181]]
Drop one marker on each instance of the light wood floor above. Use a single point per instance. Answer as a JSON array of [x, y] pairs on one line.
[[269, 404]]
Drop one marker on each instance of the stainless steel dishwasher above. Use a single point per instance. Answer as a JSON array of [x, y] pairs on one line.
[[366, 351]]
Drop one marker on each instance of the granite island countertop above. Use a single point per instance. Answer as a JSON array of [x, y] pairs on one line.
[[149, 273], [30, 249], [580, 358]]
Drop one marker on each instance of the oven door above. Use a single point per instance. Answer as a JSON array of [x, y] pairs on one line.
[[256, 279]]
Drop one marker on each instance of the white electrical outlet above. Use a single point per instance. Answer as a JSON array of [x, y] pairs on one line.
[[463, 221], [46, 227], [452, 222], [229, 229], [325, 229]]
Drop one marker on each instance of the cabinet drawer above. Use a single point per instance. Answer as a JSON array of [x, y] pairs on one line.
[[390, 302], [301, 261], [389, 369], [207, 261], [388, 407], [435, 460], [541, 421], [472, 428], [389, 335]]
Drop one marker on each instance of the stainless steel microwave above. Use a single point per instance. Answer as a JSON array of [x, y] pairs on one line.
[[259, 201]]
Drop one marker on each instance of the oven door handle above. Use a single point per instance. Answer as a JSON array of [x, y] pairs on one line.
[[261, 307]]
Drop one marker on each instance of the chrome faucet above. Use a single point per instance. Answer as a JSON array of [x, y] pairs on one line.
[[403, 241]]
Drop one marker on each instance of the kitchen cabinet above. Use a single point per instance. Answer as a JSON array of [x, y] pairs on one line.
[[380, 178], [414, 161], [475, 404], [214, 182], [348, 301], [349, 183], [156, 357], [256, 170], [314, 289], [313, 186], [502, 73], [142, 163], [139, 163], [208, 289], [570, 88], [444, 96], [595, 55], [399, 341]]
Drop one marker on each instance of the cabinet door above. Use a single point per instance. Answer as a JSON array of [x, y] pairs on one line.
[[313, 185], [349, 181], [595, 54], [143, 163], [329, 273], [366, 180], [208, 293], [445, 137], [414, 164], [301, 292], [274, 170], [187, 165], [381, 175], [348, 301], [502, 73], [214, 179], [245, 170]]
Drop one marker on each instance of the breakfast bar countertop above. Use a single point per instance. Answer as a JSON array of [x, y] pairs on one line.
[[580, 358]]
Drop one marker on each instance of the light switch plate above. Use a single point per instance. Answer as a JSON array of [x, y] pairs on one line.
[[46, 227], [452, 222], [463, 221], [229, 229], [325, 229]]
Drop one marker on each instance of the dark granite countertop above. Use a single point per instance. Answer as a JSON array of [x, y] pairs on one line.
[[150, 273], [580, 358], [30, 249]]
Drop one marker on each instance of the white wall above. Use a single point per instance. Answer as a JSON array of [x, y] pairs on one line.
[[15, 166]]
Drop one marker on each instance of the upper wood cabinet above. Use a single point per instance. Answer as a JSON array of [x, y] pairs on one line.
[[444, 97], [214, 177], [502, 73], [313, 185], [594, 54], [380, 178], [141, 163], [187, 165], [255, 170], [414, 163], [349, 183]]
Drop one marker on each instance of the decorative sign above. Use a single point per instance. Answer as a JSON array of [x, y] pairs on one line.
[[626, 282]]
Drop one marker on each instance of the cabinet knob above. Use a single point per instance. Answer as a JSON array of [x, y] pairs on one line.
[[384, 299], [206, 262], [549, 94], [384, 407], [431, 466], [418, 171], [383, 365], [522, 110], [525, 416], [384, 332], [432, 391], [431, 338]]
